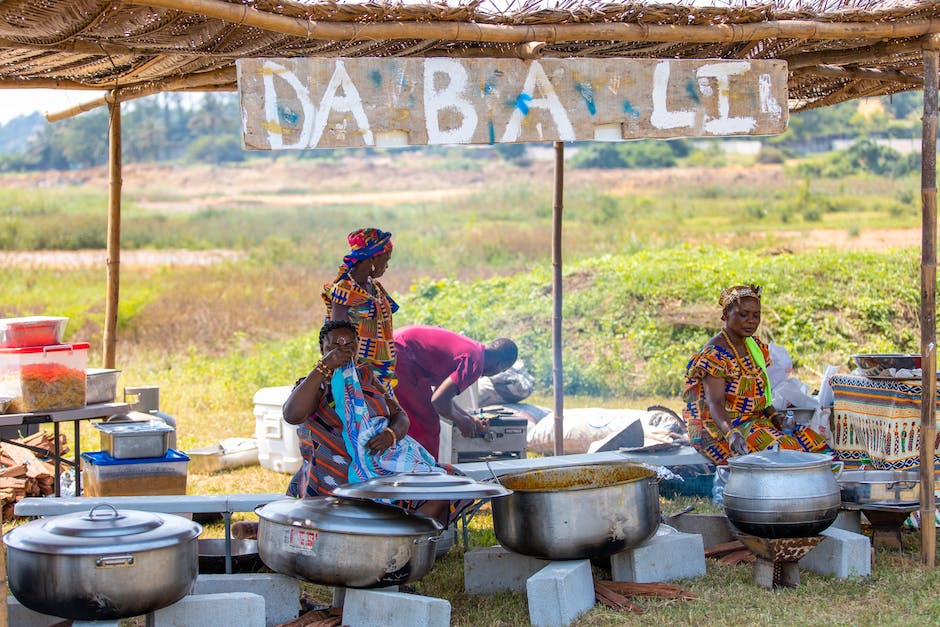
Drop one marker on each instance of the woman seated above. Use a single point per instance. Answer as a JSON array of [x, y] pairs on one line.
[[350, 426], [727, 392]]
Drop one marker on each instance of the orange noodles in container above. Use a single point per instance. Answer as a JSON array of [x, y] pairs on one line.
[[41, 378]]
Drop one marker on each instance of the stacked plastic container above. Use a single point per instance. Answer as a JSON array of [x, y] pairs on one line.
[[38, 372]]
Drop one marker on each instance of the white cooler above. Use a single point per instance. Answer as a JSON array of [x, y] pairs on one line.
[[278, 444]]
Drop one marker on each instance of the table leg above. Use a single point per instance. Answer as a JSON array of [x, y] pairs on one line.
[[78, 460], [228, 542], [58, 460]]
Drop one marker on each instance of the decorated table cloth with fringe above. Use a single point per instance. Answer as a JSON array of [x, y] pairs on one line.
[[876, 422]]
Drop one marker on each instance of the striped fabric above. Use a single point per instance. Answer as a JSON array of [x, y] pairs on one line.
[[876, 422], [373, 319], [745, 401]]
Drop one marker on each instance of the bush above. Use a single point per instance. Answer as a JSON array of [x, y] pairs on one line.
[[216, 149], [636, 154]]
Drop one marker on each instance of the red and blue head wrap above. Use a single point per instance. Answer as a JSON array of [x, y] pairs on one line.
[[365, 244]]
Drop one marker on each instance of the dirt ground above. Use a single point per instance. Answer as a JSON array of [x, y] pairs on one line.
[[400, 179]]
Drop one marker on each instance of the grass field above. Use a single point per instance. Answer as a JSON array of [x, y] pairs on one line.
[[645, 255]]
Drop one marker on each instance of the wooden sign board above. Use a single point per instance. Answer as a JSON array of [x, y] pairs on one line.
[[319, 102]]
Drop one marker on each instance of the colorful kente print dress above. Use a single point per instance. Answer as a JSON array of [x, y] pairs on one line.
[[372, 315], [745, 401]]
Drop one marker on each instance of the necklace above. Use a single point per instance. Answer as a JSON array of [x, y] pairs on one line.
[[737, 358]]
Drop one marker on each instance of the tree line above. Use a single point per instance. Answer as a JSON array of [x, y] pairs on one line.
[[206, 128]]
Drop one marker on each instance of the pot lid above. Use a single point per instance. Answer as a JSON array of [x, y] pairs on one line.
[[779, 458], [350, 516], [102, 528], [422, 485]]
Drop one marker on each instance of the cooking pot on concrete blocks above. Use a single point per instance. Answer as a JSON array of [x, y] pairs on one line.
[[577, 512], [782, 494], [354, 543], [102, 565]]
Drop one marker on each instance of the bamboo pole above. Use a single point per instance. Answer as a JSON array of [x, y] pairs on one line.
[[207, 81], [856, 56], [114, 235], [558, 383], [246, 15], [834, 71], [928, 306]]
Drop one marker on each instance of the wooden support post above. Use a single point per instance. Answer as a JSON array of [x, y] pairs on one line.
[[114, 235], [928, 305], [558, 383]]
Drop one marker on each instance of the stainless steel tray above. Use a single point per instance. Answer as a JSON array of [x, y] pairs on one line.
[[880, 486], [422, 485]]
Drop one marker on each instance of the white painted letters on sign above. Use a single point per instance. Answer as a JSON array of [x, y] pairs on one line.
[[327, 103]]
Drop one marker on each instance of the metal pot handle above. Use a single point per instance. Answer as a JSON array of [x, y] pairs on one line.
[[430, 539], [837, 468], [721, 472], [901, 485], [114, 514], [118, 418]]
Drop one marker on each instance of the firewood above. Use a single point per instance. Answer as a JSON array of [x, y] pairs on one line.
[[614, 600], [13, 471], [738, 557], [725, 547], [313, 618], [658, 590]]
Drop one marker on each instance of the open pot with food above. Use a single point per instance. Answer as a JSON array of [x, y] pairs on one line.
[[577, 512]]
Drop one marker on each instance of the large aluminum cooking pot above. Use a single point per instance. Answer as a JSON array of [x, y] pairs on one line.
[[104, 564], [577, 512], [781, 493], [353, 543]]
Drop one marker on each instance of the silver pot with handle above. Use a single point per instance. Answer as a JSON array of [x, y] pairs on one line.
[[577, 512], [104, 564], [781, 493], [882, 487], [353, 543]]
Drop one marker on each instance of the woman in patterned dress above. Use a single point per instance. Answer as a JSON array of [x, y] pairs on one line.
[[356, 295], [727, 392]]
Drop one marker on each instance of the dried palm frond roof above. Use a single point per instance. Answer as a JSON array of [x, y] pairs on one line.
[[837, 50]]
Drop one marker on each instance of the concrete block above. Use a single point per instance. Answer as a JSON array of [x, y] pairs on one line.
[[714, 528], [668, 555], [22, 616], [213, 610], [841, 553], [850, 520], [381, 608], [559, 593], [281, 593], [491, 569]]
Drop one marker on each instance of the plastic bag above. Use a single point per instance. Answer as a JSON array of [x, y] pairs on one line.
[[509, 386]]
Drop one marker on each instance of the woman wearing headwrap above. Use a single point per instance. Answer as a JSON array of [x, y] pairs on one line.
[[356, 295], [727, 391]]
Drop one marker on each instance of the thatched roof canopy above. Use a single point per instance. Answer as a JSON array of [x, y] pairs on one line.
[[837, 49]]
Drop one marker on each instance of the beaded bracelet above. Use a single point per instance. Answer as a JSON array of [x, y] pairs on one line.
[[323, 370], [392, 433]]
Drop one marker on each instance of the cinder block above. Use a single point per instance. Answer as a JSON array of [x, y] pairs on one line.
[[668, 555], [714, 528], [841, 553], [281, 593], [381, 608], [559, 593], [491, 569], [850, 520], [213, 610], [21, 616]]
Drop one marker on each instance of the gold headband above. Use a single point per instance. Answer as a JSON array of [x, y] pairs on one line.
[[731, 294]]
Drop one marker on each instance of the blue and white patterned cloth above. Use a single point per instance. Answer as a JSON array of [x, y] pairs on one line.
[[359, 427]]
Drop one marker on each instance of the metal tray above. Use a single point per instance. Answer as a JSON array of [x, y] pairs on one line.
[[133, 439], [422, 485], [883, 487]]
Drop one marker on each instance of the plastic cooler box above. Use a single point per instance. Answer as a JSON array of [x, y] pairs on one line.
[[278, 444], [103, 475], [40, 378]]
